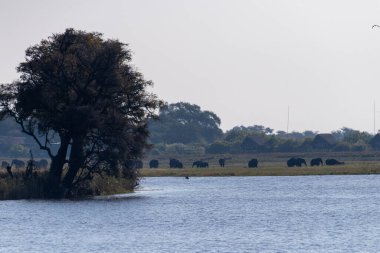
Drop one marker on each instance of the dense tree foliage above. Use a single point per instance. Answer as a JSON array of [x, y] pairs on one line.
[[263, 139], [185, 123], [178, 132], [351, 136], [239, 133], [81, 91]]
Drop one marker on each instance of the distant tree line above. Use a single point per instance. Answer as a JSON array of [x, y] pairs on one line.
[[185, 123], [183, 128]]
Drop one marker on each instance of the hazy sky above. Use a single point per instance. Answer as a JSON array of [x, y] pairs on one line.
[[244, 60]]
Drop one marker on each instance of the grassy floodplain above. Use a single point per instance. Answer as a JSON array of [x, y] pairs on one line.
[[271, 170], [270, 164]]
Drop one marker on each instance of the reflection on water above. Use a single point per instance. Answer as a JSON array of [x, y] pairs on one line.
[[225, 214]]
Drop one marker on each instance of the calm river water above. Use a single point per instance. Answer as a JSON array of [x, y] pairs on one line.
[[213, 214]]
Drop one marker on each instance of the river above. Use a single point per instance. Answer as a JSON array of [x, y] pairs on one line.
[[205, 214]]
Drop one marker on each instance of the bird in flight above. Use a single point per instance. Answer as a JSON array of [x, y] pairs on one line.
[[375, 26]]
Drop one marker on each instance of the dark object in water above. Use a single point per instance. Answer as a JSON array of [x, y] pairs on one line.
[[187, 177]]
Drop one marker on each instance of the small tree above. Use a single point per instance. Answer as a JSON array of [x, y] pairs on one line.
[[80, 91]]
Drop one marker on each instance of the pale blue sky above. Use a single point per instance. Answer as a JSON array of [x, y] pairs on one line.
[[244, 60]]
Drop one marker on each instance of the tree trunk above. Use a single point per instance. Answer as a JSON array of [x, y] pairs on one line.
[[75, 162], [53, 185]]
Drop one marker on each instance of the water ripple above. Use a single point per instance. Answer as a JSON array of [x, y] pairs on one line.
[[228, 214]]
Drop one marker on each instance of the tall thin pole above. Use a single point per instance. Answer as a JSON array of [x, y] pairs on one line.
[[287, 123], [374, 118]]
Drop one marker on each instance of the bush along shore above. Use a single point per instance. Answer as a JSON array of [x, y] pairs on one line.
[[36, 187]]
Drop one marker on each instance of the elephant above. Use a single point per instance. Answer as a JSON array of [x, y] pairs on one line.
[[4, 164], [222, 162], [174, 163], [253, 163], [316, 162], [200, 164], [9, 170], [204, 165], [296, 162], [333, 162], [42, 164], [301, 161], [18, 163], [196, 164], [153, 164], [134, 164]]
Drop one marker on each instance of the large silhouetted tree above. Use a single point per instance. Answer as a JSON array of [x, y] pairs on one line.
[[81, 91]]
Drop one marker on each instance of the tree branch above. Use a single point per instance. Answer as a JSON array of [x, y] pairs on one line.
[[30, 133]]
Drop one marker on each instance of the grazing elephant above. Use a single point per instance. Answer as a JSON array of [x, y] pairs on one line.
[[42, 164], [253, 163], [200, 164], [139, 164], [18, 164], [134, 164], [333, 162], [222, 162], [9, 170], [174, 163], [153, 164], [296, 162], [204, 165], [196, 164], [316, 162], [4, 164]]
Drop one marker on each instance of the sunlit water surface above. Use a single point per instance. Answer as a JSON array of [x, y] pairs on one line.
[[223, 214]]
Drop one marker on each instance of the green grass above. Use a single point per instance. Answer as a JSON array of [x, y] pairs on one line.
[[18, 188], [270, 164], [353, 168], [265, 159]]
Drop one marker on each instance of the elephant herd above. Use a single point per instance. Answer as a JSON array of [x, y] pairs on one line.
[[176, 164], [298, 162], [29, 166], [253, 163], [19, 164]]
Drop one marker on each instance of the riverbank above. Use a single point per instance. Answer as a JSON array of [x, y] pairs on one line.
[[19, 187], [356, 168]]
